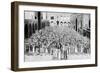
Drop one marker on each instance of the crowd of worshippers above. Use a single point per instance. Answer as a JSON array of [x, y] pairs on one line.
[[55, 49], [58, 45]]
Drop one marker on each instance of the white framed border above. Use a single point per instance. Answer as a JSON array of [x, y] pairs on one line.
[[23, 64]]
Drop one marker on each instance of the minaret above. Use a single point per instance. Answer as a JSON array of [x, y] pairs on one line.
[[39, 20], [76, 24]]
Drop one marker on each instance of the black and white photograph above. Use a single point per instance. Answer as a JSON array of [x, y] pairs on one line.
[[53, 36], [56, 36]]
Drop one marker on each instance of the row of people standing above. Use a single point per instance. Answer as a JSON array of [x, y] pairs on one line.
[[56, 50]]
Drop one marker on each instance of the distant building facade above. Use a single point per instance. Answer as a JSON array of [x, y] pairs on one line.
[[35, 21]]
